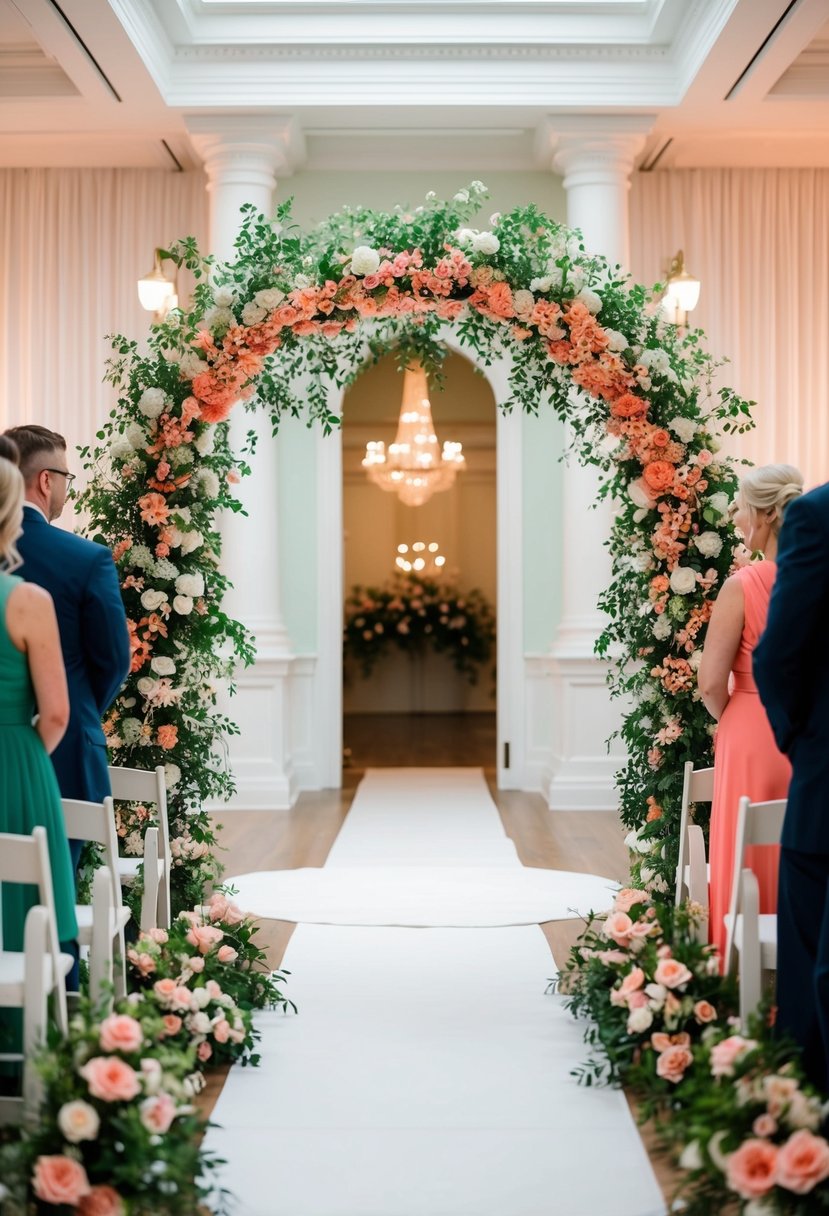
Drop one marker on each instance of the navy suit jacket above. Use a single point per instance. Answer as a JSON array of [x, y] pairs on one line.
[[81, 578], [791, 667]]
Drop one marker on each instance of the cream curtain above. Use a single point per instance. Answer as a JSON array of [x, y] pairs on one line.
[[758, 239], [72, 245]]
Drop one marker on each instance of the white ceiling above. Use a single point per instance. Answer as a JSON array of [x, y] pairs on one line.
[[465, 84]]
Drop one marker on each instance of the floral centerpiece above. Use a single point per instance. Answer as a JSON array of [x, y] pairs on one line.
[[413, 613]]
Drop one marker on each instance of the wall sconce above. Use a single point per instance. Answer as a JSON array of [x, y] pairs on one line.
[[681, 292], [156, 292]]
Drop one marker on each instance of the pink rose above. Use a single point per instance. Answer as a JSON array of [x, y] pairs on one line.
[[120, 1033], [196, 963], [144, 963], [764, 1125], [617, 927], [725, 1054], [164, 990], [159, 936], [671, 973], [661, 1041], [673, 1062], [213, 990], [172, 1023], [180, 998], [110, 1079], [226, 954], [233, 915], [192, 918], [704, 457], [204, 937], [221, 1031], [637, 1000], [705, 1012], [217, 906], [204, 1052], [627, 897], [59, 1180], [611, 958], [101, 1201], [750, 1171], [633, 980], [802, 1162], [664, 952], [157, 1113]]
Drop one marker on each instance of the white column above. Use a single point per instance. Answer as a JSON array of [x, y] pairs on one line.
[[242, 158], [596, 158]]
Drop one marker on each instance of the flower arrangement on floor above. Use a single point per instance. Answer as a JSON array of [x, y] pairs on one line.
[[413, 614]]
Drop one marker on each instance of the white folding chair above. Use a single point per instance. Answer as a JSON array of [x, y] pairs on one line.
[[96, 821], [750, 936], [101, 961], [28, 978], [696, 872], [147, 786], [697, 786]]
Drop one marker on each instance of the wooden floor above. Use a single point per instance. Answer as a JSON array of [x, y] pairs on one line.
[[419, 740], [590, 841]]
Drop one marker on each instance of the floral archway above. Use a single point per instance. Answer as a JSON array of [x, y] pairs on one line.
[[579, 337]]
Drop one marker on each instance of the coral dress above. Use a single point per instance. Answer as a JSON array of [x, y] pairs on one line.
[[746, 762]]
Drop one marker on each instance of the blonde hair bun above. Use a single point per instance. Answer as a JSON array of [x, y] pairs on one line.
[[771, 487], [11, 513]]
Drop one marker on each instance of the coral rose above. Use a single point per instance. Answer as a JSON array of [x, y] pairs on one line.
[[172, 1023], [725, 1055], [110, 1079], [802, 1162], [750, 1171], [671, 973], [659, 475], [226, 954], [632, 981], [629, 406], [673, 1063], [167, 736], [704, 1012], [164, 989], [120, 1033], [59, 1180], [627, 897], [157, 1113], [204, 937], [221, 1031], [101, 1201], [617, 927]]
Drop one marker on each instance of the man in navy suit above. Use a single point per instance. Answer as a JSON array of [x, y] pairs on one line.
[[81, 578], [791, 668]]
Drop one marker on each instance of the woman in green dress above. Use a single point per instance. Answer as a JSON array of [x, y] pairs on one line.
[[32, 681]]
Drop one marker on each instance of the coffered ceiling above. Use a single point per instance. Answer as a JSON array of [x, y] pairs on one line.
[[466, 84]]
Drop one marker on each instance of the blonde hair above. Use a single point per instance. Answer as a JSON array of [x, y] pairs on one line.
[[11, 514], [770, 488]]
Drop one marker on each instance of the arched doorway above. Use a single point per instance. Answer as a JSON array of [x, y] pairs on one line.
[[414, 708]]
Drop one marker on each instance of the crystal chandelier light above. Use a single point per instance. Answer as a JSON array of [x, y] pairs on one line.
[[414, 468], [420, 558]]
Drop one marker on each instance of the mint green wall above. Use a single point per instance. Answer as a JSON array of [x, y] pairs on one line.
[[316, 195]]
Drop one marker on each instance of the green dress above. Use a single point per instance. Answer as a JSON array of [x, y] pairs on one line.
[[29, 794]]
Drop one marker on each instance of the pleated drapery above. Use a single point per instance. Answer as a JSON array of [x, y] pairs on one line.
[[73, 242], [758, 239]]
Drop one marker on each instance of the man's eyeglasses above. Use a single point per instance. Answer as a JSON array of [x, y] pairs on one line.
[[70, 477]]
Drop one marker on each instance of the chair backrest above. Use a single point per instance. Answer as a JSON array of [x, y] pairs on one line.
[[146, 785], [25, 859], [758, 823], [697, 786], [95, 821]]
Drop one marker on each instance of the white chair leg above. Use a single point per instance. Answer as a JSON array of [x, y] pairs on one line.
[[100, 953], [698, 875], [751, 976], [149, 898], [120, 967], [35, 1012]]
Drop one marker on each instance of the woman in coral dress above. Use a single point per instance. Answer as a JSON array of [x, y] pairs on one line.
[[746, 760]]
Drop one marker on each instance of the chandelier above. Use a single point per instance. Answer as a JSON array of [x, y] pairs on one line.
[[420, 558], [414, 468]]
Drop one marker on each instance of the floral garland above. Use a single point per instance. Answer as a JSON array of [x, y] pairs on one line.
[[411, 613]]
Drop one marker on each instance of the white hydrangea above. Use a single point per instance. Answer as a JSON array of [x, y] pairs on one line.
[[191, 364], [477, 187], [683, 580], [207, 480], [662, 628], [136, 436], [141, 557], [152, 402], [269, 298], [302, 280], [153, 599], [165, 569], [576, 278], [590, 300], [219, 318], [181, 456], [253, 313], [190, 584], [183, 605], [642, 562], [683, 428], [130, 730], [224, 296], [364, 260], [183, 513], [462, 196], [190, 542], [172, 775], [542, 284], [120, 448], [206, 442], [162, 665], [465, 236], [616, 341], [719, 502], [524, 302], [486, 243], [656, 360], [709, 544]]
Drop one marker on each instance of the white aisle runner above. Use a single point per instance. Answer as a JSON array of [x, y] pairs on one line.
[[427, 1074]]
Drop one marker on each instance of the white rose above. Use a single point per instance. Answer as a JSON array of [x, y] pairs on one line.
[[200, 1022], [683, 428], [462, 196], [78, 1121], [121, 449], [270, 298], [219, 318], [151, 1075], [183, 605], [486, 243], [691, 1157], [224, 297], [524, 302], [206, 442], [642, 562], [590, 300], [616, 341], [163, 666], [683, 580], [718, 502], [252, 313], [172, 775], [364, 260], [639, 1020], [662, 628], [190, 584], [152, 402], [694, 659], [494, 218], [639, 496], [190, 541], [200, 998], [152, 600], [191, 364], [465, 236], [147, 686], [709, 544]]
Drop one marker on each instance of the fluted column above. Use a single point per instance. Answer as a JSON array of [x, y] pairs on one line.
[[242, 159], [595, 157]]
